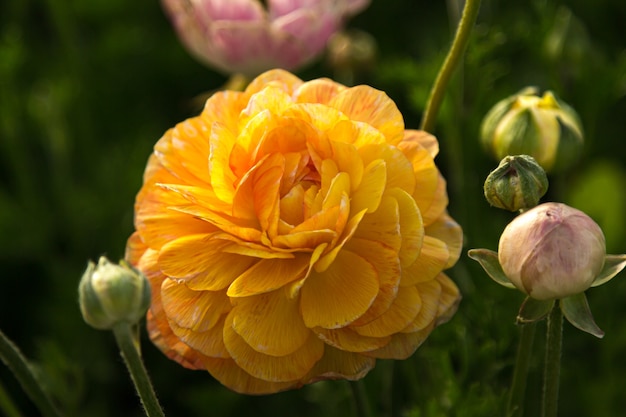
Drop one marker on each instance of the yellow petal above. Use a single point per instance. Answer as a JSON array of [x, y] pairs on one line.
[[232, 376], [425, 173], [449, 301], [432, 260], [371, 189], [402, 345], [430, 293], [257, 195], [194, 310], [351, 226], [374, 107], [349, 162], [135, 248], [424, 139], [321, 117], [358, 134], [411, 227], [206, 343], [337, 364], [309, 238], [383, 225], [200, 261], [269, 274], [224, 107], [272, 368], [317, 91], [449, 231], [241, 228], [438, 203], [291, 206], [162, 336], [278, 77], [161, 227], [270, 323], [338, 190], [385, 261], [349, 340], [288, 136], [400, 172], [341, 294], [184, 150], [400, 314], [223, 179], [272, 98]]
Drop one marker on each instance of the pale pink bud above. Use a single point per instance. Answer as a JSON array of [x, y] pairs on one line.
[[552, 251], [245, 36]]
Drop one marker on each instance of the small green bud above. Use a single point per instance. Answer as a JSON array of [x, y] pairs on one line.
[[544, 127], [552, 251], [518, 183], [110, 293]]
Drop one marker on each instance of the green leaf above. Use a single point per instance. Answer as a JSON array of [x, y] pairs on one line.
[[488, 259], [613, 265], [576, 310], [533, 310]]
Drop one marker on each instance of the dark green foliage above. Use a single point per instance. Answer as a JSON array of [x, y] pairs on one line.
[[86, 89]]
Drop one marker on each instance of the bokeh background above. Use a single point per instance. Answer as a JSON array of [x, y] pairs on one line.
[[86, 89]]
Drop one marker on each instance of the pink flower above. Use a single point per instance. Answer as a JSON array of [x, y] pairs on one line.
[[243, 36]]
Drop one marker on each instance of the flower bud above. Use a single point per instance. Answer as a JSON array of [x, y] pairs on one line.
[[518, 183], [110, 293], [543, 127], [552, 251]]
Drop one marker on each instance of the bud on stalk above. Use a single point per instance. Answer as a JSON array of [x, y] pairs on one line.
[[110, 293], [544, 127], [552, 251], [518, 183]]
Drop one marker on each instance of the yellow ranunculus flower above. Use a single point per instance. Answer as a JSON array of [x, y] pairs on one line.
[[294, 232]]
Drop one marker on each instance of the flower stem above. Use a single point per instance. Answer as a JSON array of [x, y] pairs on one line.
[[363, 408], [520, 373], [6, 404], [552, 370], [18, 364], [129, 349], [461, 39]]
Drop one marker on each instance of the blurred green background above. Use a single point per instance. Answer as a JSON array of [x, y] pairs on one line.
[[86, 89]]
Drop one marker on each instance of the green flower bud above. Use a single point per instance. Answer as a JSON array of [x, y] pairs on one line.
[[110, 293], [518, 183], [552, 251], [545, 128]]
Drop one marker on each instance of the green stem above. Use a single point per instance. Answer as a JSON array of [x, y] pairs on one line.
[[129, 349], [363, 408], [18, 364], [552, 370], [7, 406], [461, 39], [520, 373]]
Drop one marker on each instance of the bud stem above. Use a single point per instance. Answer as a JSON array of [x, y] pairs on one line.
[[552, 369], [520, 373], [361, 399], [129, 350], [461, 39], [18, 364]]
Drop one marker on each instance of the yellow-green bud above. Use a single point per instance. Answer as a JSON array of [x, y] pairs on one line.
[[544, 127], [552, 251], [518, 183], [110, 293]]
